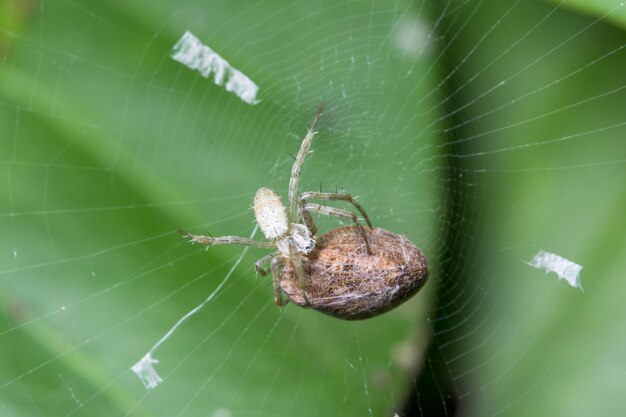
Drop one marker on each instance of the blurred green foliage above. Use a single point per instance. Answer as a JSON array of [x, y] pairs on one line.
[[109, 146]]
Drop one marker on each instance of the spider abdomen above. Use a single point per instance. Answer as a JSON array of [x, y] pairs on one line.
[[270, 213], [346, 282]]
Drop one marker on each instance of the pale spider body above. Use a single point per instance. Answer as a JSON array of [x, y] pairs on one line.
[[271, 216], [339, 274]]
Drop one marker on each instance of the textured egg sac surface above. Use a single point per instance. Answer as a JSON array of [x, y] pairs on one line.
[[348, 283]]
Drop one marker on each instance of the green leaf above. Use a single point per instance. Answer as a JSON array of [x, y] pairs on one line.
[[110, 146], [609, 10], [547, 148], [484, 131]]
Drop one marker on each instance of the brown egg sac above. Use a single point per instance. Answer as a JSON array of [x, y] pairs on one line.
[[344, 281]]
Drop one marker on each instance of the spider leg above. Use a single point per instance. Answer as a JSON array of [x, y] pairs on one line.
[[343, 214], [277, 262], [259, 264], [296, 260], [312, 195], [308, 220], [225, 240], [295, 170]]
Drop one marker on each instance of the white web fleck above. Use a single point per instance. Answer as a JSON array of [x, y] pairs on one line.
[[144, 369], [190, 51], [564, 268]]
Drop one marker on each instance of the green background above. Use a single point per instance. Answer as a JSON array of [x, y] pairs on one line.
[[501, 134]]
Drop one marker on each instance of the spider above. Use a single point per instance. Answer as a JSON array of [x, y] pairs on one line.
[[341, 259], [290, 230]]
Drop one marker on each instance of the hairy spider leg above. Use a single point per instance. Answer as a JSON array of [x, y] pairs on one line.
[[335, 212], [313, 195], [296, 260], [277, 262], [226, 240], [295, 170], [259, 264]]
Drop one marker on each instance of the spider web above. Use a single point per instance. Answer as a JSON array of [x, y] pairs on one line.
[[485, 131]]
